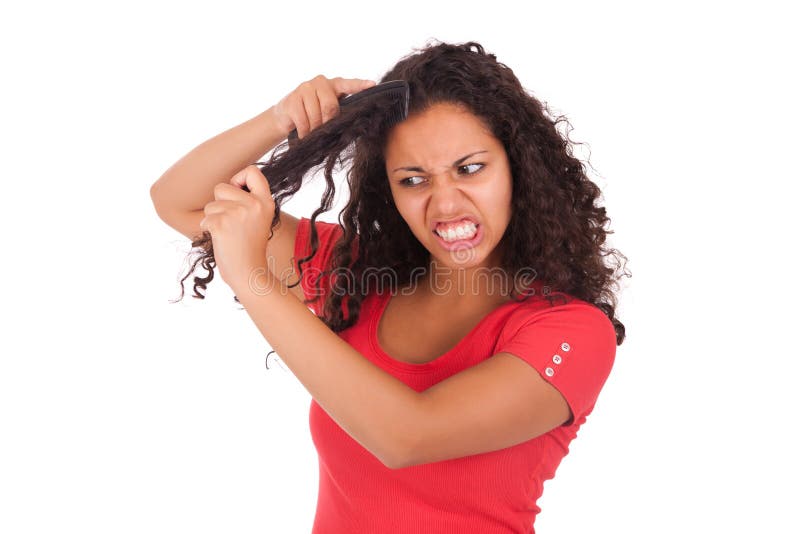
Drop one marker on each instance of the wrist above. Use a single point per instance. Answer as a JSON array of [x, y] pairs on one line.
[[270, 122], [258, 280]]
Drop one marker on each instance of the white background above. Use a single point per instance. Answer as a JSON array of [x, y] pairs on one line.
[[120, 412]]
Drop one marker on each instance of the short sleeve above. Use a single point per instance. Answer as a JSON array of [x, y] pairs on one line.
[[328, 234], [572, 346]]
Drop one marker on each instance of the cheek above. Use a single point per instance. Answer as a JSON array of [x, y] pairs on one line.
[[499, 198], [504, 196], [405, 207], [413, 212]]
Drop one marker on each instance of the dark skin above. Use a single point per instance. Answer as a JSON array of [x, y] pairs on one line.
[[510, 402]]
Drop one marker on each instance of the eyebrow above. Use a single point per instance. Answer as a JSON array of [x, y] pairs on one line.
[[457, 162]]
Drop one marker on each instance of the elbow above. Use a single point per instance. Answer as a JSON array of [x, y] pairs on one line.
[[396, 455], [399, 462], [160, 204], [393, 435], [408, 455], [406, 445], [154, 194]]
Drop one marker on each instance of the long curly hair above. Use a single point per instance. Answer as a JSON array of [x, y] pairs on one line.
[[557, 226]]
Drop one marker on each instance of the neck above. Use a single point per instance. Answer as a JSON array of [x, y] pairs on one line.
[[462, 285]]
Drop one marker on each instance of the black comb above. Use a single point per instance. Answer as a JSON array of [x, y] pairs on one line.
[[396, 88]]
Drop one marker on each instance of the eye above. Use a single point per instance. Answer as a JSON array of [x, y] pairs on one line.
[[472, 165], [405, 182]]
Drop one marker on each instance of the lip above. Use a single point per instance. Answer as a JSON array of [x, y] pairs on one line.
[[467, 216], [461, 243]]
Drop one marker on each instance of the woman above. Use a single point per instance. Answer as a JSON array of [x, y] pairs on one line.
[[463, 320]]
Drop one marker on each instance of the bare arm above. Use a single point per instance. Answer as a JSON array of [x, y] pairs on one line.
[[376, 409], [182, 192], [188, 185]]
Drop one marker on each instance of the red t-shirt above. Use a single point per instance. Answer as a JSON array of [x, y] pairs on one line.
[[571, 345]]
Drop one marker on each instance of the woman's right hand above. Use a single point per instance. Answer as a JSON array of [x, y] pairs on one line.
[[314, 103]]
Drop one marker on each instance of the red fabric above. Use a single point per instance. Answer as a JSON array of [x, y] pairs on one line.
[[494, 492], [328, 234]]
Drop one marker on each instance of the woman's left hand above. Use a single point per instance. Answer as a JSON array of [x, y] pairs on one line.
[[239, 223]]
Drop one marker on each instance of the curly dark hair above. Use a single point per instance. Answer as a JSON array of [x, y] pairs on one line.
[[557, 227]]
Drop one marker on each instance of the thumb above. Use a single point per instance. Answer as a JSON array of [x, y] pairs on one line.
[[238, 179], [251, 179], [348, 86], [256, 182]]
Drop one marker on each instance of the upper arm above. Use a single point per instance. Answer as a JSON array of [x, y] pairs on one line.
[[280, 251], [548, 369], [280, 248], [500, 402]]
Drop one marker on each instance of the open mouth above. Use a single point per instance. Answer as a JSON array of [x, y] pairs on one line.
[[463, 228], [454, 241], [466, 231]]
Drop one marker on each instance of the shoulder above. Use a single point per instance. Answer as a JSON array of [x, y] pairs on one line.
[[572, 345], [563, 312], [326, 233]]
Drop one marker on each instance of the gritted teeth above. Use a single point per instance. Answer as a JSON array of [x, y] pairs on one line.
[[456, 224], [464, 229]]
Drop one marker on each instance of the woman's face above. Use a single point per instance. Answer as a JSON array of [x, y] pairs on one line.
[[444, 166]]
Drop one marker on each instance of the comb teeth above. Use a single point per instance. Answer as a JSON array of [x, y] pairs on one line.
[[395, 89]]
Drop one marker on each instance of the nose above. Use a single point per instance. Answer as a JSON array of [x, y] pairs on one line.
[[447, 197]]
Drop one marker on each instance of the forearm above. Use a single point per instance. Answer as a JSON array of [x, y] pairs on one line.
[[373, 407], [189, 183]]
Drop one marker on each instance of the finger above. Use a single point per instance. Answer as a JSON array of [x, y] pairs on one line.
[[313, 112], [218, 206], [228, 191], [299, 111], [348, 86], [328, 102], [238, 179], [257, 183], [206, 224]]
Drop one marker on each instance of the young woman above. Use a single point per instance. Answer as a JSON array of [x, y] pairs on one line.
[[464, 319]]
